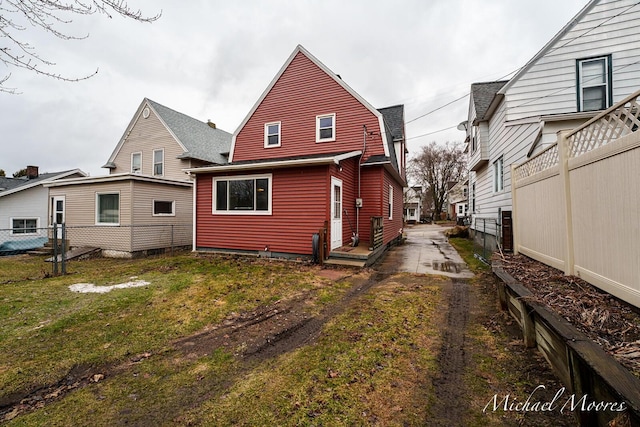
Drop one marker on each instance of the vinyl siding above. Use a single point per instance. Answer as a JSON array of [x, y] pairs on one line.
[[80, 211], [392, 227], [303, 92], [30, 203], [145, 193], [549, 86], [300, 205], [372, 198], [136, 201], [146, 136]]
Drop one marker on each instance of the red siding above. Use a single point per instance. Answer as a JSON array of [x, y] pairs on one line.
[[371, 199], [349, 178], [303, 92], [392, 227], [299, 208]]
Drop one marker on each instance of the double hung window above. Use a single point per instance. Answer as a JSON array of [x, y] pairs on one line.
[[326, 128], [272, 134], [594, 83]]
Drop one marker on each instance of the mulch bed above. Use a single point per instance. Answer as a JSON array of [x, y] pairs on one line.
[[610, 322]]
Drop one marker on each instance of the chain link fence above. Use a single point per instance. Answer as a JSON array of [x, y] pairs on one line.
[[485, 234], [123, 241], [22, 239]]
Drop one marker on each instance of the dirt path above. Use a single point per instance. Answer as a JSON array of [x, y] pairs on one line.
[[451, 404]]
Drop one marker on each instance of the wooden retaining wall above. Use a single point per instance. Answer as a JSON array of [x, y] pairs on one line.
[[581, 364]]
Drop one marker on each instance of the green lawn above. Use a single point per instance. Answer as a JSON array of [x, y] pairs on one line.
[[364, 366]]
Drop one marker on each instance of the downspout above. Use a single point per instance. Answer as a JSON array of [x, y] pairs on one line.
[[364, 148]]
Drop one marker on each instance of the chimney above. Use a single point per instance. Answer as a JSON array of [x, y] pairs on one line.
[[211, 124], [32, 172]]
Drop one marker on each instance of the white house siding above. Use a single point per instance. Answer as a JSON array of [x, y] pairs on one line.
[[511, 143], [146, 136], [29, 203], [549, 85]]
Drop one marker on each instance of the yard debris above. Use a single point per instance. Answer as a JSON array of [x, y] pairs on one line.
[[613, 324]]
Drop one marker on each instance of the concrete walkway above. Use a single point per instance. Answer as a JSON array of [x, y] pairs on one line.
[[427, 251]]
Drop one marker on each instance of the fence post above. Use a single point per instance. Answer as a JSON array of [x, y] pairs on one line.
[[514, 211], [563, 166], [55, 249], [64, 249], [172, 229]]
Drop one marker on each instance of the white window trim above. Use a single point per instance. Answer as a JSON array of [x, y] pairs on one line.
[[390, 202], [333, 135], [114, 224], [141, 160], [498, 180], [35, 233], [266, 135], [173, 208], [153, 162], [215, 211]]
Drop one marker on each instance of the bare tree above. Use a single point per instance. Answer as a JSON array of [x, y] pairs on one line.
[[435, 167], [49, 16]]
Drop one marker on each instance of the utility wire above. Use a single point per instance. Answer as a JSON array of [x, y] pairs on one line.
[[431, 133], [515, 71]]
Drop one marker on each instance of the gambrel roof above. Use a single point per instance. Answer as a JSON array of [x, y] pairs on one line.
[[331, 74], [197, 139]]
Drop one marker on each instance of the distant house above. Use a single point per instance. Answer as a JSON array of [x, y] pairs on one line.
[[458, 200], [589, 65], [310, 150], [25, 209], [146, 202], [413, 204]]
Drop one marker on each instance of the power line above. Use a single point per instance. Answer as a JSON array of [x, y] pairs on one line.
[[439, 108], [515, 71], [431, 133]]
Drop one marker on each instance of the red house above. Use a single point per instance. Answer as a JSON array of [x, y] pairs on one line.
[[310, 150]]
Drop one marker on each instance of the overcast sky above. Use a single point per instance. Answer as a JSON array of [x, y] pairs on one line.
[[213, 59]]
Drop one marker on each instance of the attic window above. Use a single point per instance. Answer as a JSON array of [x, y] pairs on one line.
[[326, 127], [136, 163], [594, 83], [272, 135]]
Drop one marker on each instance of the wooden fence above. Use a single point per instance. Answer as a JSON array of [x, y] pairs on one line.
[[576, 205]]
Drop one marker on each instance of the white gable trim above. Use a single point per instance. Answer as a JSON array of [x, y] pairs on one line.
[[549, 45], [300, 49], [42, 182], [144, 104]]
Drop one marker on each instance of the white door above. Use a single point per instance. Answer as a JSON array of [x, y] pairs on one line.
[[336, 213], [57, 212]]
